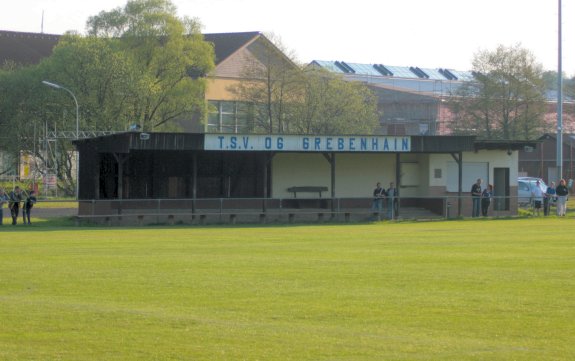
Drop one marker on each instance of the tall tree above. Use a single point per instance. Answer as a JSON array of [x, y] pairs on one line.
[[506, 100], [167, 58], [140, 64], [330, 105], [269, 83], [290, 98]]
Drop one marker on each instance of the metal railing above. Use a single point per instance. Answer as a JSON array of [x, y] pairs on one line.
[[282, 210]]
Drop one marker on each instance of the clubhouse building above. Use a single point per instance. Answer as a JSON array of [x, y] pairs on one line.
[[197, 174]]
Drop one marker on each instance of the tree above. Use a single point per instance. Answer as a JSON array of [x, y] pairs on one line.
[[167, 58], [139, 64], [290, 98], [330, 105], [506, 100]]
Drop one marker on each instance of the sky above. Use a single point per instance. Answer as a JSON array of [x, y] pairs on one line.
[[423, 33]]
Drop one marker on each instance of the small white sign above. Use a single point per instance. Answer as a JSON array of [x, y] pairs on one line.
[[306, 143]]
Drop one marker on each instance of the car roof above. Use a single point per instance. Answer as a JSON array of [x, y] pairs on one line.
[[530, 179]]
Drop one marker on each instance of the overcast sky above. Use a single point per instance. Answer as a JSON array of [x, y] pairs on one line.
[[424, 33]]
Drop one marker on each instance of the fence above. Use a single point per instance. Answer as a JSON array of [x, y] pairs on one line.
[[279, 210], [270, 210]]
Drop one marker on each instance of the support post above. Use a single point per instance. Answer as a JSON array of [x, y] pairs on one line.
[[458, 157]]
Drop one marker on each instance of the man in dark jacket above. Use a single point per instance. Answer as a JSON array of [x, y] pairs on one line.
[[476, 196], [14, 200], [27, 207]]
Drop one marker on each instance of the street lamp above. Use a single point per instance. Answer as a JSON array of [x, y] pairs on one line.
[[560, 100], [57, 86]]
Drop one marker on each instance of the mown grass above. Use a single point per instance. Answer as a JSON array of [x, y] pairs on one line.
[[454, 290]]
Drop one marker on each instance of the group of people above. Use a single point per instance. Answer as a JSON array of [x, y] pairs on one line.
[[14, 199], [380, 194], [541, 199], [481, 198], [552, 194]]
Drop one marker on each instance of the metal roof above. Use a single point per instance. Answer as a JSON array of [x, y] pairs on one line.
[[394, 71]]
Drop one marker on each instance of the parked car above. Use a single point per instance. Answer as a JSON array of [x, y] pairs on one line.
[[525, 186]]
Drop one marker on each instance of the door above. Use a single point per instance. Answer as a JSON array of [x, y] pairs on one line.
[[501, 189]]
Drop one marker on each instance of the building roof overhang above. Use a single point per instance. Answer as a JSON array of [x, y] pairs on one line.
[[134, 141]]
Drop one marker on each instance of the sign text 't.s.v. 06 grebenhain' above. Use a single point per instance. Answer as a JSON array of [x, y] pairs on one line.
[[306, 143]]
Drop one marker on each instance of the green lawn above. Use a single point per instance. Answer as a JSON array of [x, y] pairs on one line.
[[450, 290]]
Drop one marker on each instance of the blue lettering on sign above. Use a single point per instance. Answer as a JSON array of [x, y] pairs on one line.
[[241, 142], [405, 144], [351, 143], [268, 143]]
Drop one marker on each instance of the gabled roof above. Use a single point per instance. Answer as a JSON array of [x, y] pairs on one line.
[[226, 44], [26, 48], [567, 137], [31, 48]]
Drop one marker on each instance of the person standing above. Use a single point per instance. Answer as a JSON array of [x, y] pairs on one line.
[[392, 195], [486, 199], [550, 197], [14, 200], [378, 194], [537, 195], [3, 199], [27, 206], [476, 196], [562, 193]]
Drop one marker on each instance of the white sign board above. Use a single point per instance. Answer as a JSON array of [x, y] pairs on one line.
[[306, 143]]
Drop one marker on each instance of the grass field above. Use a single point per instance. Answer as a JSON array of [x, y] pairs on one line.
[[448, 290]]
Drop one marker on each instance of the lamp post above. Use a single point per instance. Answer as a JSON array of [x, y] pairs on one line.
[[560, 101], [57, 86]]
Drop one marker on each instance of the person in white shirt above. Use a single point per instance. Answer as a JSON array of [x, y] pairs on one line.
[[537, 195]]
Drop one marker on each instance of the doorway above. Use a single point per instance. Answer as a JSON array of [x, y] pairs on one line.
[[501, 189]]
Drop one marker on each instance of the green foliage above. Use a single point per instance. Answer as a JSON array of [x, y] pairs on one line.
[[458, 290], [140, 64], [330, 105], [291, 99], [506, 100], [165, 59]]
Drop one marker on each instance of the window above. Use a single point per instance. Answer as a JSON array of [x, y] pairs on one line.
[[228, 117]]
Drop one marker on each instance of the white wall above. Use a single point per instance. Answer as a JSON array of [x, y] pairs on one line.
[[493, 158], [356, 174]]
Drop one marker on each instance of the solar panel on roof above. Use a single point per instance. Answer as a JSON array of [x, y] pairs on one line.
[[349, 68], [364, 69], [329, 65], [435, 74], [342, 67], [382, 70], [461, 75], [395, 71], [400, 71]]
